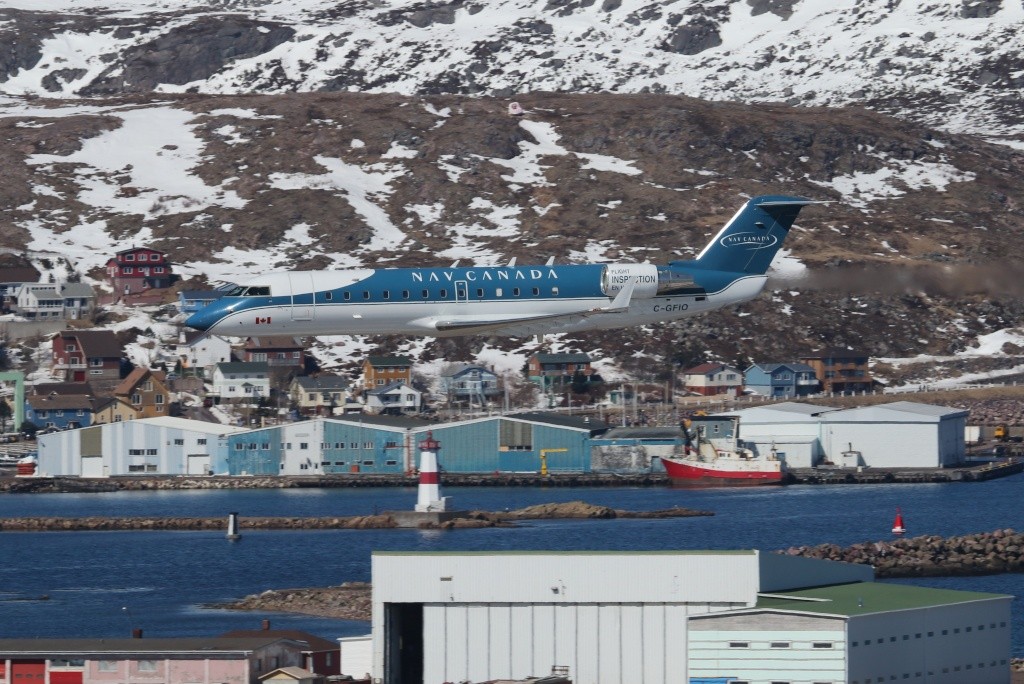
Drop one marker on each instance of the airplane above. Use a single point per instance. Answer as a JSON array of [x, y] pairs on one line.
[[509, 300]]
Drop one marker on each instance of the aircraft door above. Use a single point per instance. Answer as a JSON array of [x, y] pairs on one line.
[[461, 291], [303, 292]]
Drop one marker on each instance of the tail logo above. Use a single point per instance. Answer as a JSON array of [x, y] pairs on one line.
[[749, 240]]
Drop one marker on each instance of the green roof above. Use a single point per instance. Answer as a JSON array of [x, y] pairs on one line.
[[864, 598]]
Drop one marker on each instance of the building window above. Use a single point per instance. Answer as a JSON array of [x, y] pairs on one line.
[[822, 644], [107, 666], [739, 644], [179, 442], [303, 445], [780, 644], [147, 666], [137, 399]]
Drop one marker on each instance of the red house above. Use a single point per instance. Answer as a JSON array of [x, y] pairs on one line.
[[85, 355], [138, 269]]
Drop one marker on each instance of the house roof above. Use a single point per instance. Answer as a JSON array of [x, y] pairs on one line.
[[324, 381], [19, 274], [243, 367], [96, 343], [63, 388], [291, 671], [140, 249], [392, 386], [462, 368], [60, 402], [562, 358], [708, 369], [897, 411], [273, 342], [865, 598], [315, 642], [62, 648], [137, 376], [770, 368], [77, 290], [389, 361]]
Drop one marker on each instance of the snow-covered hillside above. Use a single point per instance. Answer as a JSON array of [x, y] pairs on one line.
[[957, 65]]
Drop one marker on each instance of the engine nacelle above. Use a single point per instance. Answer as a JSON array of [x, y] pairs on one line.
[[651, 280]]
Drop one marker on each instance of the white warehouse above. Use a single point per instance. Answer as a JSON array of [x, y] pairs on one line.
[[900, 434], [155, 446], [671, 617]]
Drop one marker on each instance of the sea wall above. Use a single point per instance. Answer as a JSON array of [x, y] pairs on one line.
[[984, 553]]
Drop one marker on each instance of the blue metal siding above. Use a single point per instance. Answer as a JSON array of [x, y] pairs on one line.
[[362, 448], [246, 454], [467, 448]]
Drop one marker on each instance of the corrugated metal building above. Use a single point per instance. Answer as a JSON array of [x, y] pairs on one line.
[[900, 434], [674, 616], [633, 449], [610, 617], [150, 446]]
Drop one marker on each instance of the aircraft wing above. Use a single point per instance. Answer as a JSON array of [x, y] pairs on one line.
[[532, 325]]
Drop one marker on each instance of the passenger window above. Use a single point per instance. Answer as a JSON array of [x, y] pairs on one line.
[[328, 296], [515, 291], [480, 292], [444, 294], [426, 294], [387, 294], [405, 294], [536, 291], [366, 294]]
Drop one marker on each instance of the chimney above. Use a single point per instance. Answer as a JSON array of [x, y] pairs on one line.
[[266, 625], [136, 633]]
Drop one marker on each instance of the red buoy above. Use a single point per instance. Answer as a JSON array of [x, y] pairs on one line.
[[897, 526]]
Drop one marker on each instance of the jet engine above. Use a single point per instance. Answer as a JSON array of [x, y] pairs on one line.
[[650, 280]]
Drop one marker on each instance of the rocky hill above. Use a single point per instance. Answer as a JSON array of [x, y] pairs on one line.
[[216, 131]]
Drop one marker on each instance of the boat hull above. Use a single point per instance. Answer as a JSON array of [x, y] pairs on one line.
[[693, 473]]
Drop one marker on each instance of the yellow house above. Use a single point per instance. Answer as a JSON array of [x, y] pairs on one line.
[[113, 410]]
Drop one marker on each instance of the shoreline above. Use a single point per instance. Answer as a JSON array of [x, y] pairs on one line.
[[575, 510], [800, 476]]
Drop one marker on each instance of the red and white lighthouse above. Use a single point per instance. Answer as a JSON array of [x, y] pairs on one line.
[[429, 493]]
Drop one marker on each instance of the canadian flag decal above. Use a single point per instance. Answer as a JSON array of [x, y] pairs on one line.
[[262, 319]]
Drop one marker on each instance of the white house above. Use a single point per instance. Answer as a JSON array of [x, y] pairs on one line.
[[241, 380], [395, 397], [200, 351]]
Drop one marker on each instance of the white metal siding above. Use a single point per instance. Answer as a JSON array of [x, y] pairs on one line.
[[711, 655]]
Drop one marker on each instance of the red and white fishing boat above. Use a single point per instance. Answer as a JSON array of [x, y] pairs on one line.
[[719, 461]]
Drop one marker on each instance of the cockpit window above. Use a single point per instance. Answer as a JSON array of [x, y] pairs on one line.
[[251, 291]]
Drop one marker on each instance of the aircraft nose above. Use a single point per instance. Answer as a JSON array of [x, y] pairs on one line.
[[199, 321]]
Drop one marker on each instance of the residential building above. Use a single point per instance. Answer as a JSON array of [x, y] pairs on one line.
[[841, 371], [198, 352], [555, 369], [241, 380], [396, 397], [138, 269], [319, 394], [86, 355], [112, 410], [291, 675], [319, 656], [12, 277], [780, 379], [279, 352], [59, 411], [470, 384], [384, 370], [39, 301], [190, 301], [186, 660], [79, 300], [674, 616], [146, 391], [712, 379]]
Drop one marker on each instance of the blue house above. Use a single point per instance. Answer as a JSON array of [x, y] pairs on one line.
[[190, 301], [59, 411], [781, 379], [475, 385]]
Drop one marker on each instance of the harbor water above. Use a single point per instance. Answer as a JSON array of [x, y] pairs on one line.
[[105, 584]]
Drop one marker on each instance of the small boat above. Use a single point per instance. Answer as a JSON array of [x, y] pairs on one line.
[[897, 526]]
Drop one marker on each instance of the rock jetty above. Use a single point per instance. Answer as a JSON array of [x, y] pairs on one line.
[[348, 601], [984, 553], [569, 510]]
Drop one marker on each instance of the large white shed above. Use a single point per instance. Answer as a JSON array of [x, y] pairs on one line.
[[791, 429], [149, 446], [609, 617], [901, 434]]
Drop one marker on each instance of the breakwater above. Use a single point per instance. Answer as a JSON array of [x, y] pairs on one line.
[[985, 553], [576, 510]]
